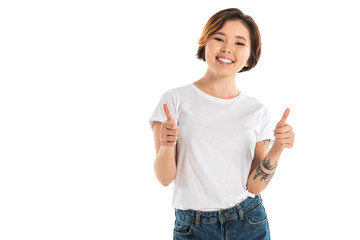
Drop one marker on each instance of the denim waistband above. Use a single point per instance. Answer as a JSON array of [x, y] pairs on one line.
[[222, 216]]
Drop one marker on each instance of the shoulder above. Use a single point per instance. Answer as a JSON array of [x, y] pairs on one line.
[[177, 92], [255, 103], [257, 107], [180, 89]]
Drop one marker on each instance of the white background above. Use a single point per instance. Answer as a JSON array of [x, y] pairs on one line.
[[80, 79]]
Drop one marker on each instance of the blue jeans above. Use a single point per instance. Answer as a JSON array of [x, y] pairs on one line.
[[246, 220]]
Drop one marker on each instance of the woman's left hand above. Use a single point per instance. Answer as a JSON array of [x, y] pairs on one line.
[[284, 133]]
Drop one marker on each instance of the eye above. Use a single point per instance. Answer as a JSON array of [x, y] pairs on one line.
[[239, 43], [219, 39]]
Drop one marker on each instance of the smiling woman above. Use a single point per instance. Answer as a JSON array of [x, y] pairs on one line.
[[230, 48], [211, 139], [217, 22]]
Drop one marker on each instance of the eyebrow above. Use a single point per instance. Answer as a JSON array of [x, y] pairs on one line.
[[221, 33]]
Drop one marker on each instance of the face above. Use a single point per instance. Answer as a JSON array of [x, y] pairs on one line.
[[228, 49]]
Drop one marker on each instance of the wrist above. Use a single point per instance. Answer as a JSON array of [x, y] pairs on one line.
[[277, 147]]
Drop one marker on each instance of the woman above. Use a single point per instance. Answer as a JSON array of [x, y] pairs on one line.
[[213, 140]]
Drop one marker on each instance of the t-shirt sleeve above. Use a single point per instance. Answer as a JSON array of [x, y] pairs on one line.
[[159, 115], [265, 130]]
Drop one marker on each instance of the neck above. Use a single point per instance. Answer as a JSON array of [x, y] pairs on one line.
[[218, 85]]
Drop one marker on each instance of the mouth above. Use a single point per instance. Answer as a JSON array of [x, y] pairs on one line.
[[224, 60]]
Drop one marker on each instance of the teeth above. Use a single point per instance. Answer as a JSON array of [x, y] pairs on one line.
[[224, 60]]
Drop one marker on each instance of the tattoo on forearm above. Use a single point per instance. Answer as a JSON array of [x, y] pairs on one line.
[[267, 165], [266, 177]]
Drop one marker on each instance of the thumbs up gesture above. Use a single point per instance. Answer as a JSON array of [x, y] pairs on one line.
[[283, 132], [168, 130]]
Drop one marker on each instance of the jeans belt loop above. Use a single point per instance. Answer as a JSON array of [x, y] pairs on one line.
[[240, 211], [197, 221]]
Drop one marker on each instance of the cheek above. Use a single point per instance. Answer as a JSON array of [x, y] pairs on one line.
[[248, 53], [244, 55], [210, 49]]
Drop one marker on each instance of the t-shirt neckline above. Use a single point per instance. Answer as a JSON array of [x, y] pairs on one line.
[[222, 100]]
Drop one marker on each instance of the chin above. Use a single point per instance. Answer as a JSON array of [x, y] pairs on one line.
[[225, 73]]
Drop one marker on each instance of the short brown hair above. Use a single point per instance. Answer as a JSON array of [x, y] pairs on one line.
[[218, 20]]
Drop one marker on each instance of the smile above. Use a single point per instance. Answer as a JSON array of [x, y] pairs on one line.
[[224, 61]]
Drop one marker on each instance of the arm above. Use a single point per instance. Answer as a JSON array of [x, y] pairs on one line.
[[263, 167], [165, 136], [265, 162], [165, 161]]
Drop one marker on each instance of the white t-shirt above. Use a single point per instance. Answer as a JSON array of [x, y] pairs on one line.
[[215, 147]]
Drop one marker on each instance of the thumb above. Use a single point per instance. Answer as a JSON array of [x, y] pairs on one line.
[[167, 112], [284, 117]]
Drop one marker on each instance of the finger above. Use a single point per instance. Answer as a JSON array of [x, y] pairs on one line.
[[171, 132], [286, 128], [284, 117], [287, 145], [168, 143], [167, 112], [285, 141], [170, 138], [285, 135], [170, 125]]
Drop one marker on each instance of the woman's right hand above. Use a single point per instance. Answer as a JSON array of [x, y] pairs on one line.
[[168, 130]]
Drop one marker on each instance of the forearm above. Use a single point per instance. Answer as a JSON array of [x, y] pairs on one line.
[[261, 176], [165, 165]]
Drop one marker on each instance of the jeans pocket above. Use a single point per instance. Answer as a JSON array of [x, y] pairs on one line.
[[183, 228], [256, 216]]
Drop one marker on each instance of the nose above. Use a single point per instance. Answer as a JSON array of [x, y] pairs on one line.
[[225, 49]]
